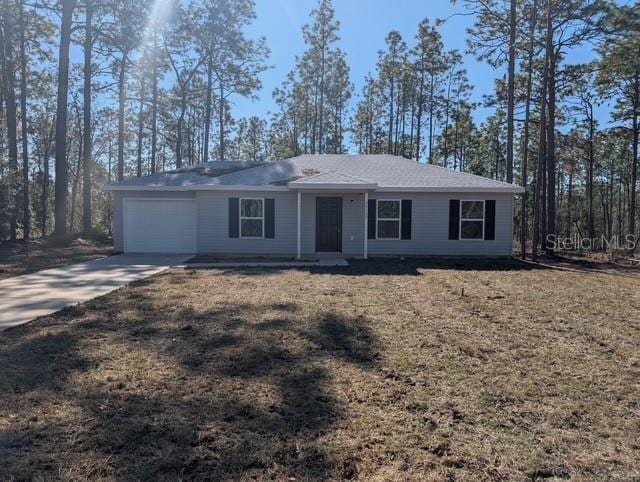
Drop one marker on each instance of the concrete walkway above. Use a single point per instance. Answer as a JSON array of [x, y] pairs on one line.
[[321, 263], [23, 298]]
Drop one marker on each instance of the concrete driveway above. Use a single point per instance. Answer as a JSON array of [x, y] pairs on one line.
[[23, 298]]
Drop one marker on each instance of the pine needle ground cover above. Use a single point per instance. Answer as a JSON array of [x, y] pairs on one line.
[[18, 258], [384, 370]]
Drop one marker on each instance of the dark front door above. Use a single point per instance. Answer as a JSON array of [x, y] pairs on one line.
[[329, 224]]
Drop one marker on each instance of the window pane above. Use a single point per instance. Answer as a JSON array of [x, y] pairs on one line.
[[252, 208], [389, 229], [252, 228], [472, 210], [389, 209], [471, 230]]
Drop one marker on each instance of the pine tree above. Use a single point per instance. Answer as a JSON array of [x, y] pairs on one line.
[[619, 79]]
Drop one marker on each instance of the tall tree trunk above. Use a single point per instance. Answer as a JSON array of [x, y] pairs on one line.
[[392, 81], [61, 180], [431, 111], [511, 89], [396, 128], [590, 220], [611, 199], [369, 120], [189, 140], [306, 120], [570, 205], [76, 177], [314, 124], [154, 101], [321, 107], [402, 130], [340, 130], [445, 154], [527, 116], [5, 199], [140, 128], [420, 103], [411, 130], [11, 120], [538, 195], [45, 180], [498, 147], [221, 114], [87, 152], [121, 104], [620, 208], [183, 108], [551, 130], [26, 214], [634, 160], [164, 156], [294, 134], [455, 144], [207, 111]]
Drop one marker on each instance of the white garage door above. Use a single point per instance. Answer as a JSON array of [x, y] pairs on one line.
[[159, 226]]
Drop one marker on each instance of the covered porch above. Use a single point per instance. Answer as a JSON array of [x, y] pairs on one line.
[[332, 214]]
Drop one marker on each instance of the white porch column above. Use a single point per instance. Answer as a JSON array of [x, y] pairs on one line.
[[299, 217], [366, 224]]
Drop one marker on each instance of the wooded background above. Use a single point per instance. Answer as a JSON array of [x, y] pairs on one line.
[[153, 93]]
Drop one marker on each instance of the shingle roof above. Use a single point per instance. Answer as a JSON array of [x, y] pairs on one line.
[[186, 176], [386, 171], [332, 177]]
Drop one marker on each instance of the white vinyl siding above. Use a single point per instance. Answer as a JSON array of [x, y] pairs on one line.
[[430, 224], [213, 224], [430, 228]]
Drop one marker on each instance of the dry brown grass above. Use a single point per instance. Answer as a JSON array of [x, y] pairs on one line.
[[380, 371], [17, 258]]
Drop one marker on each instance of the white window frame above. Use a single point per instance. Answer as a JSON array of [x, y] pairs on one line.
[[484, 215], [241, 217], [399, 219]]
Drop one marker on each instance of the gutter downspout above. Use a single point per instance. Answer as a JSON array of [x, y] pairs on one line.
[[299, 254], [366, 224]]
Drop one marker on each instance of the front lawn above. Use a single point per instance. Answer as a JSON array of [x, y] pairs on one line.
[[384, 370]]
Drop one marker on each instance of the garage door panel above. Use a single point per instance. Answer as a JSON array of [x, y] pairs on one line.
[[159, 226]]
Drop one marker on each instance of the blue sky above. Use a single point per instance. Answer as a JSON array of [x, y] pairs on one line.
[[363, 27]]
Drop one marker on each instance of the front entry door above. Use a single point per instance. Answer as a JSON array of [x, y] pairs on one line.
[[329, 224]]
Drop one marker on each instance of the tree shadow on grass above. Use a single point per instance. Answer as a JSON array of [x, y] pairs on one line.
[[247, 396], [44, 361]]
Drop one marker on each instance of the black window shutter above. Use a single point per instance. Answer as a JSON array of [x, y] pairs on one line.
[[234, 217], [269, 218], [371, 225], [490, 220], [454, 219], [406, 219]]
